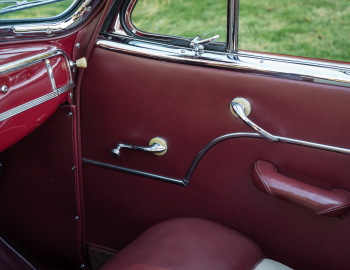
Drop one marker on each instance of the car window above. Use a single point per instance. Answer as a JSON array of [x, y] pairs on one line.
[[312, 28], [184, 18], [32, 9]]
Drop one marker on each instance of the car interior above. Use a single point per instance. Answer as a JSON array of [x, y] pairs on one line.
[[123, 151]]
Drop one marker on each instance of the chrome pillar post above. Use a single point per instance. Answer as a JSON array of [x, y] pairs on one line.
[[232, 25]]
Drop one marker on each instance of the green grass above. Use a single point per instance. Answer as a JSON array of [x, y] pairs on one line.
[[312, 28], [187, 18], [45, 11]]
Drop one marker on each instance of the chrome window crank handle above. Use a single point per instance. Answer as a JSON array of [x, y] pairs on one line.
[[156, 146]]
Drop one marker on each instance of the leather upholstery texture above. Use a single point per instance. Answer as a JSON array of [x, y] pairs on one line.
[[130, 99], [324, 202], [188, 243]]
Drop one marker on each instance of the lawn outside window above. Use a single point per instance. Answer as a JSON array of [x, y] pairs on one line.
[[313, 29]]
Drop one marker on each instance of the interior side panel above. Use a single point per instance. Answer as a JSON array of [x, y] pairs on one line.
[[37, 195], [132, 99]]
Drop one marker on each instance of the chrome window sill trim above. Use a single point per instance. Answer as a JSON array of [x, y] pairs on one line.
[[50, 28], [35, 102], [253, 63], [210, 145]]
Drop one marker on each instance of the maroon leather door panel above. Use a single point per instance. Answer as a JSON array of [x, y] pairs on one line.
[[131, 99]]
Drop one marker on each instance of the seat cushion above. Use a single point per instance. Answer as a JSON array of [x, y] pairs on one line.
[[188, 243]]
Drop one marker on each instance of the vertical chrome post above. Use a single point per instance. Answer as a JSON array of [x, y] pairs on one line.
[[232, 25]]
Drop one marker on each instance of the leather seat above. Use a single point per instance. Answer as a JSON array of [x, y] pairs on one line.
[[191, 243]]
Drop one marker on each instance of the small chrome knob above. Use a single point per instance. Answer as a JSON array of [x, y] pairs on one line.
[[4, 89]]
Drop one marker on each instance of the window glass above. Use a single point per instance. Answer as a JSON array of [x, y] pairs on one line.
[[30, 9], [186, 18], [312, 28]]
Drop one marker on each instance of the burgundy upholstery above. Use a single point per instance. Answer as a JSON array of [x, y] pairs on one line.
[[323, 202], [188, 243]]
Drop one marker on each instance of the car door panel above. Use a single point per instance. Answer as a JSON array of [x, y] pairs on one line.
[[132, 99]]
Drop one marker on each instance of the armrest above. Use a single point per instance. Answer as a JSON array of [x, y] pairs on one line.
[[324, 202]]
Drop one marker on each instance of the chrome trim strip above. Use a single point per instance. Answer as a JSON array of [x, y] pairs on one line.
[[32, 60], [232, 26], [211, 144], [50, 73], [239, 110], [53, 27], [134, 172], [315, 145], [201, 154], [26, 106], [253, 63], [65, 88]]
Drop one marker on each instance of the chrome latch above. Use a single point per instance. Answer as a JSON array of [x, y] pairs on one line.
[[197, 44]]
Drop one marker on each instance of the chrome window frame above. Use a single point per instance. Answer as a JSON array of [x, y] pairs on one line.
[[51, 26], [130, 29], [266, 64], [31, 20]]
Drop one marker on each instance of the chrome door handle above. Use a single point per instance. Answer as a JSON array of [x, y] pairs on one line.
[[238, 108], [157, 146]]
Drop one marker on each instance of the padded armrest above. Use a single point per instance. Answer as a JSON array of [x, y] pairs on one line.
[[323, 202]]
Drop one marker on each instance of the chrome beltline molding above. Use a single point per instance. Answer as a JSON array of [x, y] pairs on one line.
[[184, 182], [26, 106], [253, 63]]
